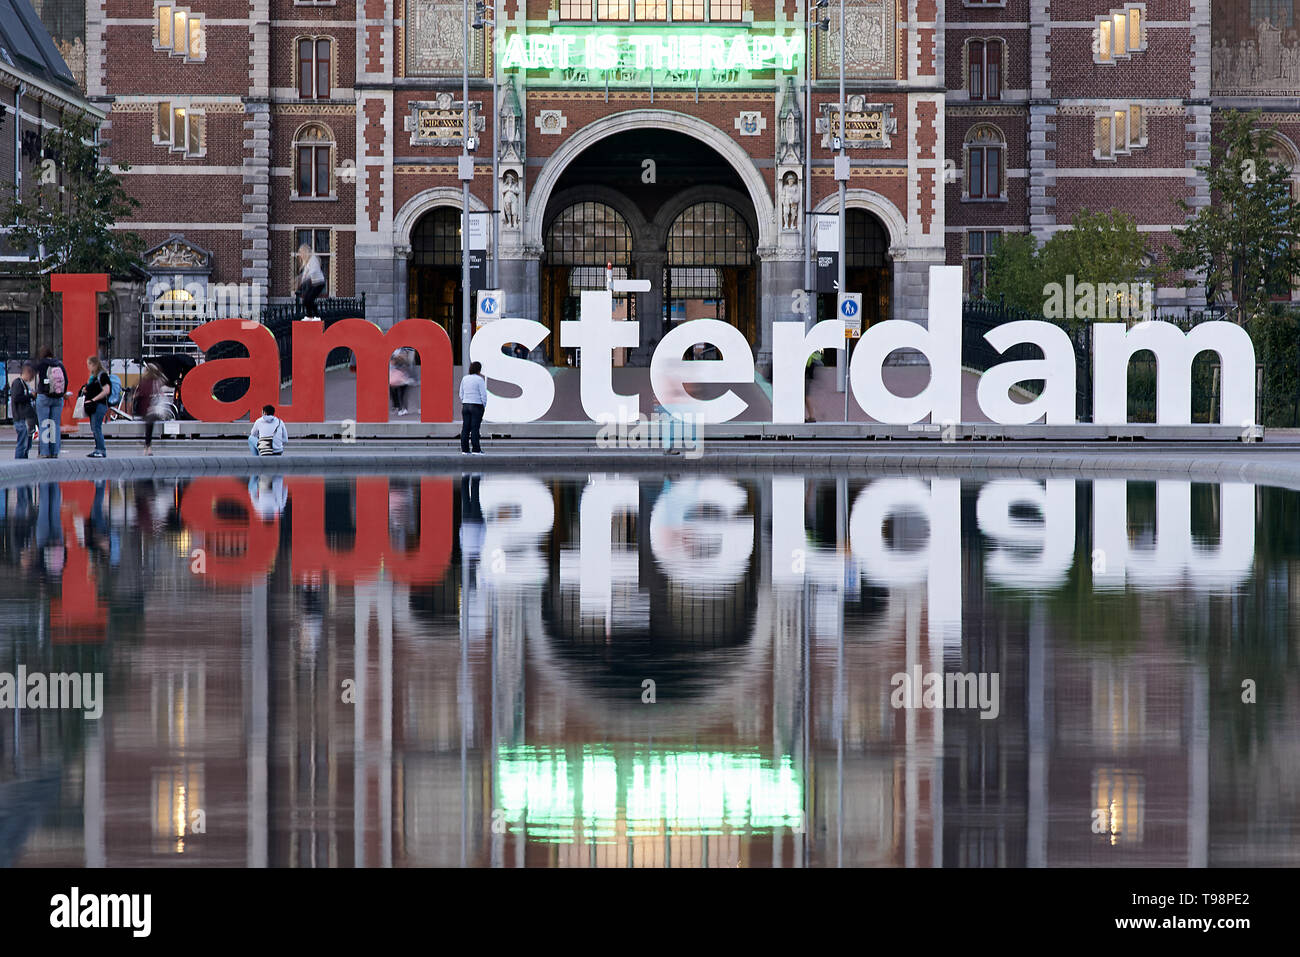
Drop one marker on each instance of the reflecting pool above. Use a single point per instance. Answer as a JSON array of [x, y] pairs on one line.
[[616, 670]]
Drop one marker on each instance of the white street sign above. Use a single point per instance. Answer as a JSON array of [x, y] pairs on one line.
[[491, 305], [850, 311]]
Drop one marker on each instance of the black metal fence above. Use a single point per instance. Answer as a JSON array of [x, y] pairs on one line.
[[279, 319], [1276, 337]]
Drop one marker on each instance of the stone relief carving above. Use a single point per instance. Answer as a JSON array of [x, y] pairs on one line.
[[1256, 50], [441, 121], [869, 40], [435, 39], [176, 253], [867, 125]]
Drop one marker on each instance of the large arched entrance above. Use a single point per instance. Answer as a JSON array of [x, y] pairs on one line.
[[433, 271], [654, 204]]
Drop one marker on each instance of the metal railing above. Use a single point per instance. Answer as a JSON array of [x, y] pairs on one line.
[[1277, 356], [279, 319]]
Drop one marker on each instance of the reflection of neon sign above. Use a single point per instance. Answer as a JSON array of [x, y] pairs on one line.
[[657, 51], [696, 790]]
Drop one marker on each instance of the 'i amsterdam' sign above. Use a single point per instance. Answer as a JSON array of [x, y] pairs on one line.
[[670, 50], [597, 334]]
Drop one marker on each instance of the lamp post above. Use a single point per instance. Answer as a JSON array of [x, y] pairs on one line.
[[842, 175], [466, 171], [809, 224], [481, 7]]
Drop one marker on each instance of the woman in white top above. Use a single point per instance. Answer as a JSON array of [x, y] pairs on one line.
[[311, 281], [473, 402]]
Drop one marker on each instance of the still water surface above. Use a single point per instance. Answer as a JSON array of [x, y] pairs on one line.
[[616, 670]]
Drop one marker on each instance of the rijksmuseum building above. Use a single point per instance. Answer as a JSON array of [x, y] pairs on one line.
[[687, 142]]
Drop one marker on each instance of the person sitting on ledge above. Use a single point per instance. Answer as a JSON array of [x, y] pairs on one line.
[[268, 434]]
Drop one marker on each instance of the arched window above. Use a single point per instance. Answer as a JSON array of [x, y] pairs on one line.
[[313, 159], [586, 236], [435, 240], [985, 163], [984, 68], [313, 68], [710, 234]]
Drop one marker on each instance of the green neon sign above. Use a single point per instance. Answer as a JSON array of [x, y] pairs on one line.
[[675, 51], [554, 788]]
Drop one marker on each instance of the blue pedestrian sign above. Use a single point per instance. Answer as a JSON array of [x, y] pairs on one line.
[[850, 312], [490, 305]]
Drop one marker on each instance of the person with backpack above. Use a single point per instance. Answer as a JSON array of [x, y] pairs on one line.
[[51, 390], [96, 391], [23, 409], [268, 435]]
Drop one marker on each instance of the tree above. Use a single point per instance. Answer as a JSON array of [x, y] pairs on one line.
[[1244, 246], [66, 220], [1099, 248], [1015, 273]]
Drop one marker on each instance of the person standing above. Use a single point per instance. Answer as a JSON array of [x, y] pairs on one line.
[[24, 409], [311, 282], [473, 403], [149, 401], [96, 390], [51, 390]]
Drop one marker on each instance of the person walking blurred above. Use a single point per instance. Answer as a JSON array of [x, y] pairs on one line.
[[311, 282], [399, 381], [149, 402], [96, 392]]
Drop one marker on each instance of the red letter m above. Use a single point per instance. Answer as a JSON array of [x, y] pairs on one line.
[[373, 349]]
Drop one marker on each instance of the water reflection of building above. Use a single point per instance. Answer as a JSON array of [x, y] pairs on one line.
[[341, 689]]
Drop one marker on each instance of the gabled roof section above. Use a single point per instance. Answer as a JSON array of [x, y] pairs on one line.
[[26, 45]]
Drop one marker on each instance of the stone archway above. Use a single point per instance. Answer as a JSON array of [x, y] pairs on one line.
[[404, 223], [726, 147], [894, 223]]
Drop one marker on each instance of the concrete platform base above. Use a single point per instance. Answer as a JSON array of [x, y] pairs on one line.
[[812, 431]]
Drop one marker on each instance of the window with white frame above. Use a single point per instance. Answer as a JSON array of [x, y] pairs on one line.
[[321, 242], [313, 162], [313, 58], [1119, 131], [179, 32], [984, 68], [1120, 33], [180, 128], [985, 150]]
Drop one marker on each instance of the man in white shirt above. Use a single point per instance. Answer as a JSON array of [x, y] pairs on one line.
[[268, 434], [473, 402], [311, 282]]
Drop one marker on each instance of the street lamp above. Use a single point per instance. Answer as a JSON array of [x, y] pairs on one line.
[[823, 24], [465, 169], [842, 176], [481, 7]]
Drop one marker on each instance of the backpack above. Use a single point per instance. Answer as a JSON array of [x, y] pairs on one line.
[[114, 389], [56, 380]]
